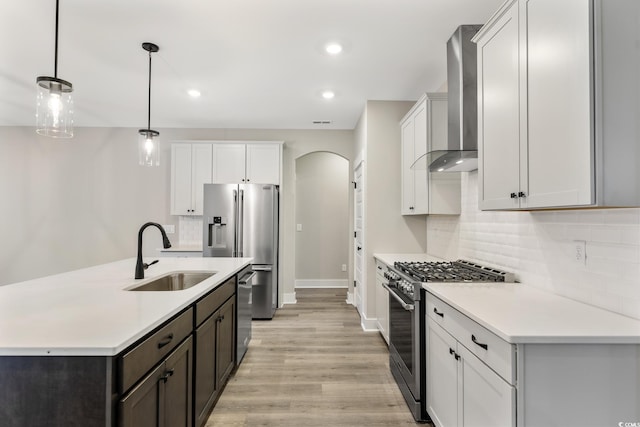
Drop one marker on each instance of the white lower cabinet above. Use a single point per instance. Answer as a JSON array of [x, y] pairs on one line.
[[382, 301], [463, 390]]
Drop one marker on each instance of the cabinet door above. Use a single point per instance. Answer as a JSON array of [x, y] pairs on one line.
[[177, 387], [442, 376], [228, 163], [488, 400], [406, 174], [263, 164], [181, 179], [382, 308], [499, 148], [141, 406], [226, 347], [558, 103], [420, 189], [201, 173], [206, 386]]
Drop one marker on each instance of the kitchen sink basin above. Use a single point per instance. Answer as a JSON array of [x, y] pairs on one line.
[[175, 281]]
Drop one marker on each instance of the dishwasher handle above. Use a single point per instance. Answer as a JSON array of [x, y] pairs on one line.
[[247, 277], [408, 307]]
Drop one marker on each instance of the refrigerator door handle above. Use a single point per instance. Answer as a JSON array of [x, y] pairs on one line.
[[234, 253], [240, 223], [259, 268]]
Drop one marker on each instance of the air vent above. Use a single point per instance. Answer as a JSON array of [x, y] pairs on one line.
[[321, 122]]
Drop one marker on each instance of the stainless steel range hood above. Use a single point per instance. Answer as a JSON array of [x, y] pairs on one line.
[[462, 142]]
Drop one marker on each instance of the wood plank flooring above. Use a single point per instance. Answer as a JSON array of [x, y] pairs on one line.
[[312, 365]]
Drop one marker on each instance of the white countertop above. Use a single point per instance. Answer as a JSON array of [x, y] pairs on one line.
[[88, 312], [389, 259], [520, 313], [182, 248]]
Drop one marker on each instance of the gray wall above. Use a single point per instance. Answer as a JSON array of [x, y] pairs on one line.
[[322, 208], [76, 203]]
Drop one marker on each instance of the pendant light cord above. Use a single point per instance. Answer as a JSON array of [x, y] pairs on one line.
[[149, 105], [55, 64]]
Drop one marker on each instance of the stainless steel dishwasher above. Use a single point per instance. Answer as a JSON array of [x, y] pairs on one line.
[[244, 311]]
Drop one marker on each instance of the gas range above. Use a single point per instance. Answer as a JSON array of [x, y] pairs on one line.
[[407, 276]]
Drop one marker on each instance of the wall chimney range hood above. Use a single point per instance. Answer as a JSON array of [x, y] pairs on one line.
[[462, 142]]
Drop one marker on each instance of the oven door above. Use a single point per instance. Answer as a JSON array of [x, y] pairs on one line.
[[402, 344]]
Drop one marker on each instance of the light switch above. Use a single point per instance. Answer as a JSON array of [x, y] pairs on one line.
[[298, 227]]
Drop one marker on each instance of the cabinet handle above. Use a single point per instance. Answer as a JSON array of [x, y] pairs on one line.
[[220, 319], [359, 248], [514, 196], [379, 268], [475, 341], [522, 194], [435, 310], [164, 341], [451, 351], [457, 356], [166, 375]]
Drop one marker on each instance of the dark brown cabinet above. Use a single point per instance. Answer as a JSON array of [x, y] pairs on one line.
[[163, 397], [215, 348]]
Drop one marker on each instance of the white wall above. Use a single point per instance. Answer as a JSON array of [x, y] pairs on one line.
[[73, 204], [540, 248], [387, 231], [322, 210]]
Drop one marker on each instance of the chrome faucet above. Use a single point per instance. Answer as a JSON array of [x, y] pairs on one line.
[[141, 266]]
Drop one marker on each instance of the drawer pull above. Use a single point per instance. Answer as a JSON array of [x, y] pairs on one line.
[[451, 351], [166, 375], [475, 341], [166, 340], [435, 310]]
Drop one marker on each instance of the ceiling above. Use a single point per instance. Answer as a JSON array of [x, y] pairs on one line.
[[258, 63]]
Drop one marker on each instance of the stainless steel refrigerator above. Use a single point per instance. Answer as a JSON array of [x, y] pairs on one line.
[[241, 220]]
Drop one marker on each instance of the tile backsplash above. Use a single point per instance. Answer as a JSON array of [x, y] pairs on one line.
[[190, 230], [541, 248]]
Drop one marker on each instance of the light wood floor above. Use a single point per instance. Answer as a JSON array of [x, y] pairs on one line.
[[312, 365]]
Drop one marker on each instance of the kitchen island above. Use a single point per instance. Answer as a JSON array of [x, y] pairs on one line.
[[76, 348]]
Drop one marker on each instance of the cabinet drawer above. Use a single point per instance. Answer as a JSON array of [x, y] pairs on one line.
[[146, 355], [381, 267], [211, 302], [487, 346]]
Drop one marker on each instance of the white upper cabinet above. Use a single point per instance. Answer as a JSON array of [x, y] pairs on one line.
[[258, 163], [263, 163], [191, 165], [554, 80], [424, 129]]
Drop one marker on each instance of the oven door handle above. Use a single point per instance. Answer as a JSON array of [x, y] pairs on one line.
[[408, 307]]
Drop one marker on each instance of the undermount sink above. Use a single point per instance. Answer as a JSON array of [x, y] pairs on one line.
[[175, 281]]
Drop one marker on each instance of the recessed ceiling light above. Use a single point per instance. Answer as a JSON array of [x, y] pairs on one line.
[[327, 94], [194, 93], [333, 48]]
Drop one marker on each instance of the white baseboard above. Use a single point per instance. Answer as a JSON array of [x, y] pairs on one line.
[[368, 325], [289, 298], [350, 299], [321, 283]]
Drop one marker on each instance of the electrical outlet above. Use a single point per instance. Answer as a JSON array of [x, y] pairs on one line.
[[344, 267], [170, 229], [298, 227], [580, 252]]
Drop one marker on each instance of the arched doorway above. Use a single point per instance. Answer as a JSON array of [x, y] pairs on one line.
[[322, 221]]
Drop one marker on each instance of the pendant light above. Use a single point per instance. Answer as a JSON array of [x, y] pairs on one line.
[[54, 103], [148, 141]]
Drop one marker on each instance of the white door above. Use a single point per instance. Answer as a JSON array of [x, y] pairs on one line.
[[181, 189], [358, 244], [442, 376]]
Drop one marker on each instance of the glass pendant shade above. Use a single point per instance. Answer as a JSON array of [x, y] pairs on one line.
[[148, 147], [54, 108]]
